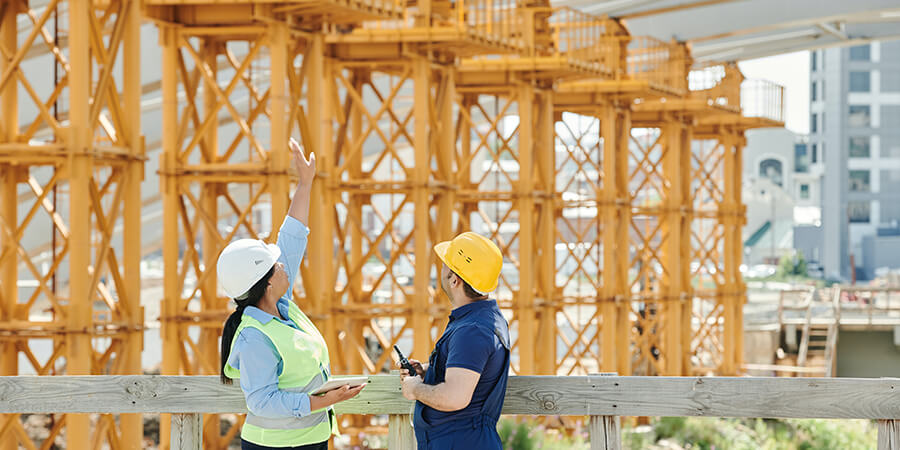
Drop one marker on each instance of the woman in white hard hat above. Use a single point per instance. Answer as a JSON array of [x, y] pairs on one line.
[[269, 344]]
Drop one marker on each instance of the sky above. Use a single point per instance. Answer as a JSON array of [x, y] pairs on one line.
[[790, 70]]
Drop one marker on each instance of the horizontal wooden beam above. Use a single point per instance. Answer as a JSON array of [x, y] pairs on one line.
[[830, 398]]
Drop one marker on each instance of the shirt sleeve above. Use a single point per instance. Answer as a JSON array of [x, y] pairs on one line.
[[470, 347], [260, 366], [292, 240]]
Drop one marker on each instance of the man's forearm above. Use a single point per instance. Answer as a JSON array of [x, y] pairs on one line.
[[300, 203], [437, 396]]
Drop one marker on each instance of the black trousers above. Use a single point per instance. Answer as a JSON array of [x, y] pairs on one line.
[[251, 446]]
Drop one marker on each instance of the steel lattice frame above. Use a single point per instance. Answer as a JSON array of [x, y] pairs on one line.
[[620, 234], [71, 163], [507, 177]]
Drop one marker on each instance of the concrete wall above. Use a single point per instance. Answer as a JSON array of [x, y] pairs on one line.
[[878, 252], [809, 240], [867, 354]]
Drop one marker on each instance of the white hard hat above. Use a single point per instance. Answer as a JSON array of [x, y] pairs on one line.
[[243, 263]]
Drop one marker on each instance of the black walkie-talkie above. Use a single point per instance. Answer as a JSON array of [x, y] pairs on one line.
[[404, 363]]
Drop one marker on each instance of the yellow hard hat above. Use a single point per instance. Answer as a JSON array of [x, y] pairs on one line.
[[474, 258]]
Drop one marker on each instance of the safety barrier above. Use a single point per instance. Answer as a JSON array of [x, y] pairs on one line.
[[662, 64], [763, 99], [603, 398], [588, 39]]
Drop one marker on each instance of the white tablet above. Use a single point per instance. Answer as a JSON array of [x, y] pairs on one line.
[[335, 383]]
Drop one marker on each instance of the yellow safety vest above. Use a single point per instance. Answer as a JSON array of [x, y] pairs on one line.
[[305, 367]]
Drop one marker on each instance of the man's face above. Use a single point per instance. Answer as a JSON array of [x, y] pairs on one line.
[[445, 279]]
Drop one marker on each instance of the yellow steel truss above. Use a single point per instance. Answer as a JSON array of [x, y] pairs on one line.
[[606, 172], [71, 161]]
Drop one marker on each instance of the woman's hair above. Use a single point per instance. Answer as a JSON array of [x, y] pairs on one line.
[[254, 295]]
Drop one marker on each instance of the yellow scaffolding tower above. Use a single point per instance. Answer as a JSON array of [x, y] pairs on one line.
[[606, 171], [71, 163]]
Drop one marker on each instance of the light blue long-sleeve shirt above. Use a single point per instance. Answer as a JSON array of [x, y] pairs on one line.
[[255, 355]]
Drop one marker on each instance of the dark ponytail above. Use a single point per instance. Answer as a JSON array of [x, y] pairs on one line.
[[254, 295]]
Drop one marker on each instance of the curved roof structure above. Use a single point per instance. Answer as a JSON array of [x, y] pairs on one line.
[[733, 30]]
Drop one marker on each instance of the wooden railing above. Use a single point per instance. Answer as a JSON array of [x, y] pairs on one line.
[[603, 398]]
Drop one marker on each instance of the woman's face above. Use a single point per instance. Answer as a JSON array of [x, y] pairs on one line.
[[279, 281]]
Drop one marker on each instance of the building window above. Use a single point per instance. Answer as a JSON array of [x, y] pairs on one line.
[[813, 56], [860, 82], [823, 90], [814, 123], [859, 147], [859, 181], [814, 153], [813, 92], [860, 53], [890, 146], [804, 191], [859, 116], [890, 183], [890, 80], [801, 158], [771, 169], [858, 212], [890, 117]]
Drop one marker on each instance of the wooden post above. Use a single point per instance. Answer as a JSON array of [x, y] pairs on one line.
[[605, 433], [889, 435], [400, 432], [187, 432]]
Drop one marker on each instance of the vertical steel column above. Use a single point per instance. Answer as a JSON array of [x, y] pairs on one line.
[[132, 425], [672, 249], [609, 343], [209, 244], [740, 220], [421, 322], [279, 101], [546, 235], [446, 150], [355, 208], [9, 130], [79, 352], [524, 199], [728, 217], [169, 190], [321, 210], [622, 226], [686, 215]]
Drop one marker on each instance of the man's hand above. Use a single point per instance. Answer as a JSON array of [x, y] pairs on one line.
[[306, 168], [409, 385], [420, 368]]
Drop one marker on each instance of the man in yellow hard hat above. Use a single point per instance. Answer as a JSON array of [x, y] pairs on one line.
[[460, 392]]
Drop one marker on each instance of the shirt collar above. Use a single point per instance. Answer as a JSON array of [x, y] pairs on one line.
[[478, 305], [264, 317]]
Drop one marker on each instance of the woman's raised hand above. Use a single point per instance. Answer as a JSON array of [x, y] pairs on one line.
[[306, 168]]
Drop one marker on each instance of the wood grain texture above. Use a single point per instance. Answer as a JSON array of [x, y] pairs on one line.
[[889, 435], [830, 398], [400, 432], [187, 432], [606, 433]]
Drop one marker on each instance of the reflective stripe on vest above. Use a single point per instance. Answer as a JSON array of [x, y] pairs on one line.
[[293, 423]]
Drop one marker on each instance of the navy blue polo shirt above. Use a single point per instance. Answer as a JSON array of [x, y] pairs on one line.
[[471, 341]]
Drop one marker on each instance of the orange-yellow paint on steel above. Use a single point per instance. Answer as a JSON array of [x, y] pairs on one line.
[[85, 292]]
